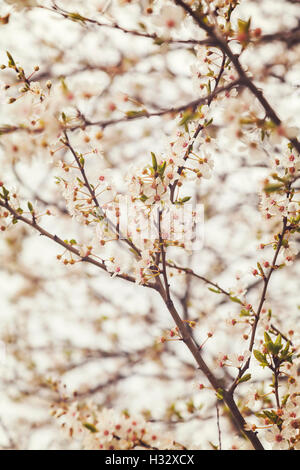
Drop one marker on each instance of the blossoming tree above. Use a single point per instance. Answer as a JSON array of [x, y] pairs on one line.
[[130, 129]]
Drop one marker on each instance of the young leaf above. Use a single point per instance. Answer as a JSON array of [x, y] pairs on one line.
[[278, 342], [133, 114], [91, 427], [214, 290], [261, 358], [285, 351], [11, 62], [235, 299], [161, 169], [154, 161], [244, 378]]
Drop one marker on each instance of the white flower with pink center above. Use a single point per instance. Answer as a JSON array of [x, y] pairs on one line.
[[170, 17]]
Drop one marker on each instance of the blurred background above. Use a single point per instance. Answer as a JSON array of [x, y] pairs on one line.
[[66, 329]]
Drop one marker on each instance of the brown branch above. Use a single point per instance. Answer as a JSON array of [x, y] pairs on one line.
[[87, 259], [158, 40], [244, 79], [278, 332], [199, 127], [198, 276], [94, 198], [165, 294], [291, 38], [192, 105], [266, 281], [213, 380]]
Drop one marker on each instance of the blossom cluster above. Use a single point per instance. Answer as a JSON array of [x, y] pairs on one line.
[[279, 425], [105, 429], [48, 118]]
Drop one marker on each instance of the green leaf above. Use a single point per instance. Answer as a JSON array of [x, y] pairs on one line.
[[208, 86], [272, 348], [134, 114], [244, 378], [76, 17], [80, 181], [260, 269], [5, 192], [271, 415], [11, 62], [161, 169], [286, 349], [207, 123], [214, 446], [158, 41], [244, 26], [235, 299], [183, 200], [278, 178], [91, 427], [271, 188], [267, 337], [278, 342], [214, 290], [285, 399], [244, 313], [64, 85], [187, 116], [154, 161], [261, 358]]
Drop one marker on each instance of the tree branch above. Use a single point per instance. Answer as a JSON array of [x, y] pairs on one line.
[[244, 79]]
